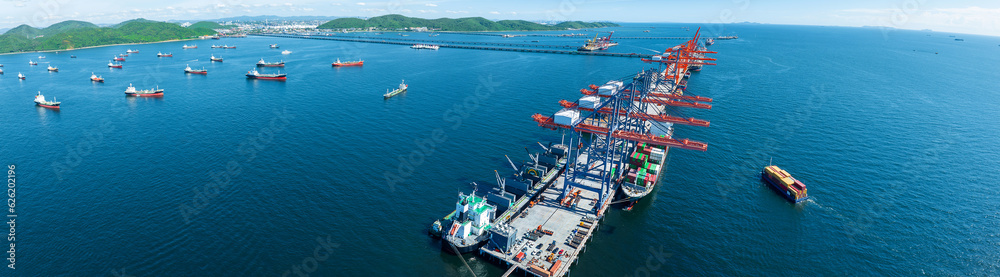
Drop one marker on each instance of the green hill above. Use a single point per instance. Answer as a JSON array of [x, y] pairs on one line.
[[76, 34], [395, 21], [24, 31], [206, 25]]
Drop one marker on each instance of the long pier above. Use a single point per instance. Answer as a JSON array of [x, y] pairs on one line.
[[459, 42], [474, 47]]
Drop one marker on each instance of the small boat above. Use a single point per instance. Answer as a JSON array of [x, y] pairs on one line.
[[95, 78], [1, 65], [114, 65], [53, 69], [261, 63], [959, 39], [286, 52], [1, 71], [40, 101], [123, 55], [131, 51], [217, 46], [20, 76], [158, 54], [425, 46], [30, 62], [709, 42], [339, 63], [214, 59], [229, 47], [274, 46], [789, 188], [433, 35], [401, 89], [41, 57], [131, 91], [72, 56], [253, 74], [202, 71], [189, 46], [119, 59]]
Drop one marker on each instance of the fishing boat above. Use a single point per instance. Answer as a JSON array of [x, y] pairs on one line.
[[189, 46], [130, 51], [202, 71], [158, 54], [95, 78], [789, 188], [339, 63], [53, 69], [214, 59], [131, 91], [286, 52], [274, 46], [262, 63], [114, 65], [401, 89], [425, 46], [253, 74], [119, 59], [40, 101], [20, 76], [30, 62]]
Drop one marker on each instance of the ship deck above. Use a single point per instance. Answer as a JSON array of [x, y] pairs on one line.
[[559, 219]]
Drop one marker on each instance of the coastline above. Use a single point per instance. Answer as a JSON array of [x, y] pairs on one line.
[[97, 46]]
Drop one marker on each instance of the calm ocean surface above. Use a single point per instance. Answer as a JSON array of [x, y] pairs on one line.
[[894, 133]]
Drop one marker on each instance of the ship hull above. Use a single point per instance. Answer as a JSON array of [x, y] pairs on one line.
[[348, 64], [197, 72], [448, 246], [48, 106], [270, 65], [780, 190], [628, 196], [267, 78], [158, 94], [115, 66], [97, 80]]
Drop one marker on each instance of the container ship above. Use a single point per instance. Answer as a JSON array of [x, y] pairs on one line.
[[401, 89], [339, 63], [40, 101], [789, 188], [262, 63], [131, 91], [253, 74]]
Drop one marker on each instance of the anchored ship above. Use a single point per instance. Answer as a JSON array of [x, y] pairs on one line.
[[253, 74], [131, 91], [202, 71], [189, 46], [114, 65], [30, 62], [214, 59], [401, 89], [425, 46], [158, 54], [53, 69], [95, 78], [261, 63], [274, 46], [782, 182], [130, 51], [339, 63], [40, 101], [119, 59], [21, 76]]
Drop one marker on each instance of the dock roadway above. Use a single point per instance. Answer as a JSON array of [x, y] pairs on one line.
[[474, 47], [562, 221]]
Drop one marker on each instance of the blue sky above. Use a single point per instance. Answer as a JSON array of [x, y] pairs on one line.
[[963, 16]]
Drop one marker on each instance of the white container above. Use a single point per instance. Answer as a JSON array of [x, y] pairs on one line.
[[567, 117], [590, 102], [610, 88]]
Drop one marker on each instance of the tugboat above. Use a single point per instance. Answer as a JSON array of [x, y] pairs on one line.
[[253, 74], [130, 51], [158, 54], [119, 59], [30, 62], [338, 63], [402, 88], [789, 188], [95, 78], [202, 71], [189, 46], [53, 69], [261, 63], [214, 59], [274, 46], [131, 91], [114, 65], [21, 76], [40, 101]]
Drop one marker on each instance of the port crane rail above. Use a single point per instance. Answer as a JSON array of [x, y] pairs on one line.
[[626, 117]]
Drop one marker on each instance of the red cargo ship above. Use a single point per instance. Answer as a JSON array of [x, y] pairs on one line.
[[338, 63]]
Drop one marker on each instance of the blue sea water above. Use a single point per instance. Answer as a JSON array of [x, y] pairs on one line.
[[894, 132]]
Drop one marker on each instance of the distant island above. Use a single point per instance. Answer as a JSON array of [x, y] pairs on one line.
[[77, 34], [396, 22]]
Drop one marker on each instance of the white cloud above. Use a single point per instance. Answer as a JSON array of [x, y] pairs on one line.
[[513, 13], [456, 11], [494, 12], [430, 5], [361, 3], [335, 4]]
